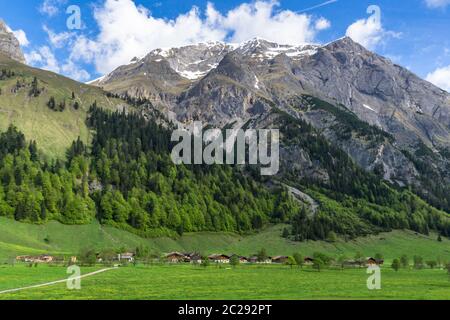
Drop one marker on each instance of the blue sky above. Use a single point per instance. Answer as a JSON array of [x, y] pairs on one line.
[[412, 33]]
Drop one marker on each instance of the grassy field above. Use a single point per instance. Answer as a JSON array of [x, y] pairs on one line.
[[22, 275], [244, 282], [19, 239]]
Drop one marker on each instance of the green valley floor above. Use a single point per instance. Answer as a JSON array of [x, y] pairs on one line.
[[54, 238], [180, 282], [224, 282]]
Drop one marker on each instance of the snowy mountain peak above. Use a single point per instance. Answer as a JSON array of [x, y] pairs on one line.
[[262, 49], [192, 61], [195, 61]]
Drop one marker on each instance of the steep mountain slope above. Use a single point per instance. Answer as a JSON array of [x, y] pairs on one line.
[[164, 74], [379, 92], [387, 119], [24, 103], [9, 45]]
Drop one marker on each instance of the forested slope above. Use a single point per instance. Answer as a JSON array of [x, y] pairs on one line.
[[127, 179]]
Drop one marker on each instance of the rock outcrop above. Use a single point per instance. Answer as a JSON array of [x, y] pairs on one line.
[[9, 45]]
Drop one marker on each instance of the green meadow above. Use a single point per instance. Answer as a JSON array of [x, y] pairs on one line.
[[193, 282], [18, 238], [169, 282]]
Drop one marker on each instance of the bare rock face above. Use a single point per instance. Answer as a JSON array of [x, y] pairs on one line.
[[379, 92], [9, 45]]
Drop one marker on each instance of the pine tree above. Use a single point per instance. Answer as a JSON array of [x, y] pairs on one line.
[[35, 92], [33, 151], [51, 103], [62, 106]]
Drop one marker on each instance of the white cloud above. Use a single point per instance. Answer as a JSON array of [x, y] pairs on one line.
[[128, 30], [51, 7], [73, 71], [260, 19], [58, 40], [33, 57], [370, 32], [434, 4], [366, 33], [20, 35], [440, 77], [322, 24], [44, 58]]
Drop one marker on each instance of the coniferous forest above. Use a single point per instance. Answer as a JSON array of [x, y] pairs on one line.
[[126, 178]]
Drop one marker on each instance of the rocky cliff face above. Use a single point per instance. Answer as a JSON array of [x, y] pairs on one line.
[[9, 45], [378, 91], [385, 117]]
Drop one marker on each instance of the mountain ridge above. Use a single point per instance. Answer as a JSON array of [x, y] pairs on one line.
[[257, 76], [311, 47]]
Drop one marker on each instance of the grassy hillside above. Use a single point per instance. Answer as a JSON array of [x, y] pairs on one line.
[[19, 238], [54, 131]]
